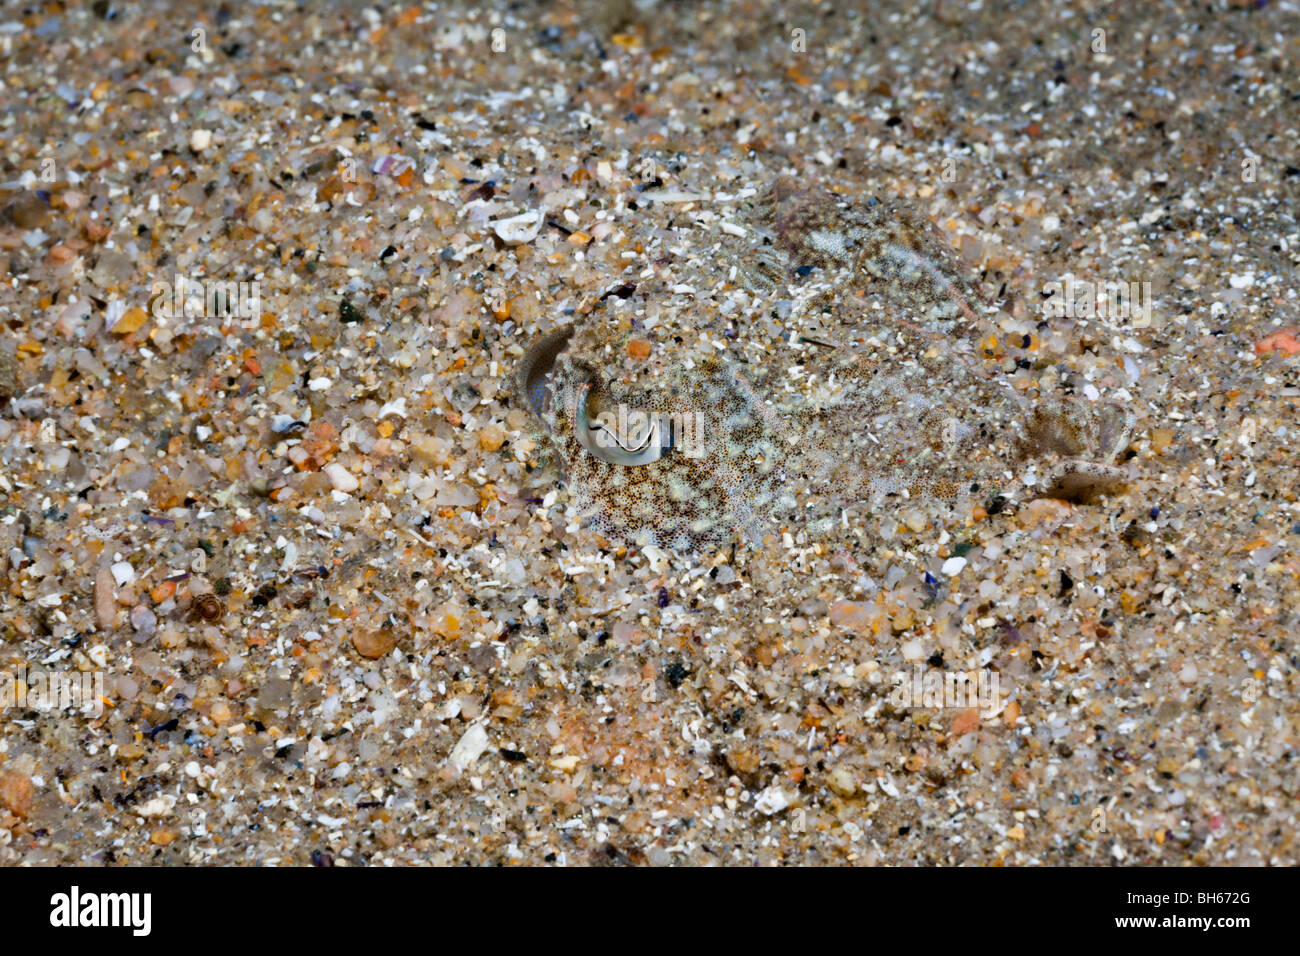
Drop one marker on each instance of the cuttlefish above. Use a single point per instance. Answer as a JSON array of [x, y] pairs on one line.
[[881, 389]]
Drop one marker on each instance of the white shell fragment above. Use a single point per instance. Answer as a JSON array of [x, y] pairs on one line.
[[469, 748], [520, 229]]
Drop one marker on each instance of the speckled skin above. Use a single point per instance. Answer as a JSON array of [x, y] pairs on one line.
[[860, 405], [916, 366], [678, 501], [886, 245]]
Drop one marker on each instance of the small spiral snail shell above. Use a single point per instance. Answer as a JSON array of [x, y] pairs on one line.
[[209, 607]]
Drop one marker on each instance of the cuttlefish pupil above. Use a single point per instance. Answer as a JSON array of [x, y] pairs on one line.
[[625, 437]]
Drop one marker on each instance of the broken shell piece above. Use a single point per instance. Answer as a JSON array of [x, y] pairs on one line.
[[519, 229]]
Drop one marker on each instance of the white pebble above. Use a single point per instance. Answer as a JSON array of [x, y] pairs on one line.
[[953, 566], [200, 139], [144, 620], [123, 573], [340, 478], [157, 807], [520, 229], [470, 747], [772, 800]]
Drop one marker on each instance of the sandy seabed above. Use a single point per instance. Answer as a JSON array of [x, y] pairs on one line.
[[314, 568]]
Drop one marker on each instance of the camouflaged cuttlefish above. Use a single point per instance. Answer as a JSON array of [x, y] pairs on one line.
[[880, 391]]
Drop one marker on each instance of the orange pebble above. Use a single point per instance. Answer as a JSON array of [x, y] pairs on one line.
[[1283, 341], [1011, 714], [965, 722]]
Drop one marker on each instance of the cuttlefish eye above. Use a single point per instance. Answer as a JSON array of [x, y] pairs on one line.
[[533, 375], [626, 437]]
